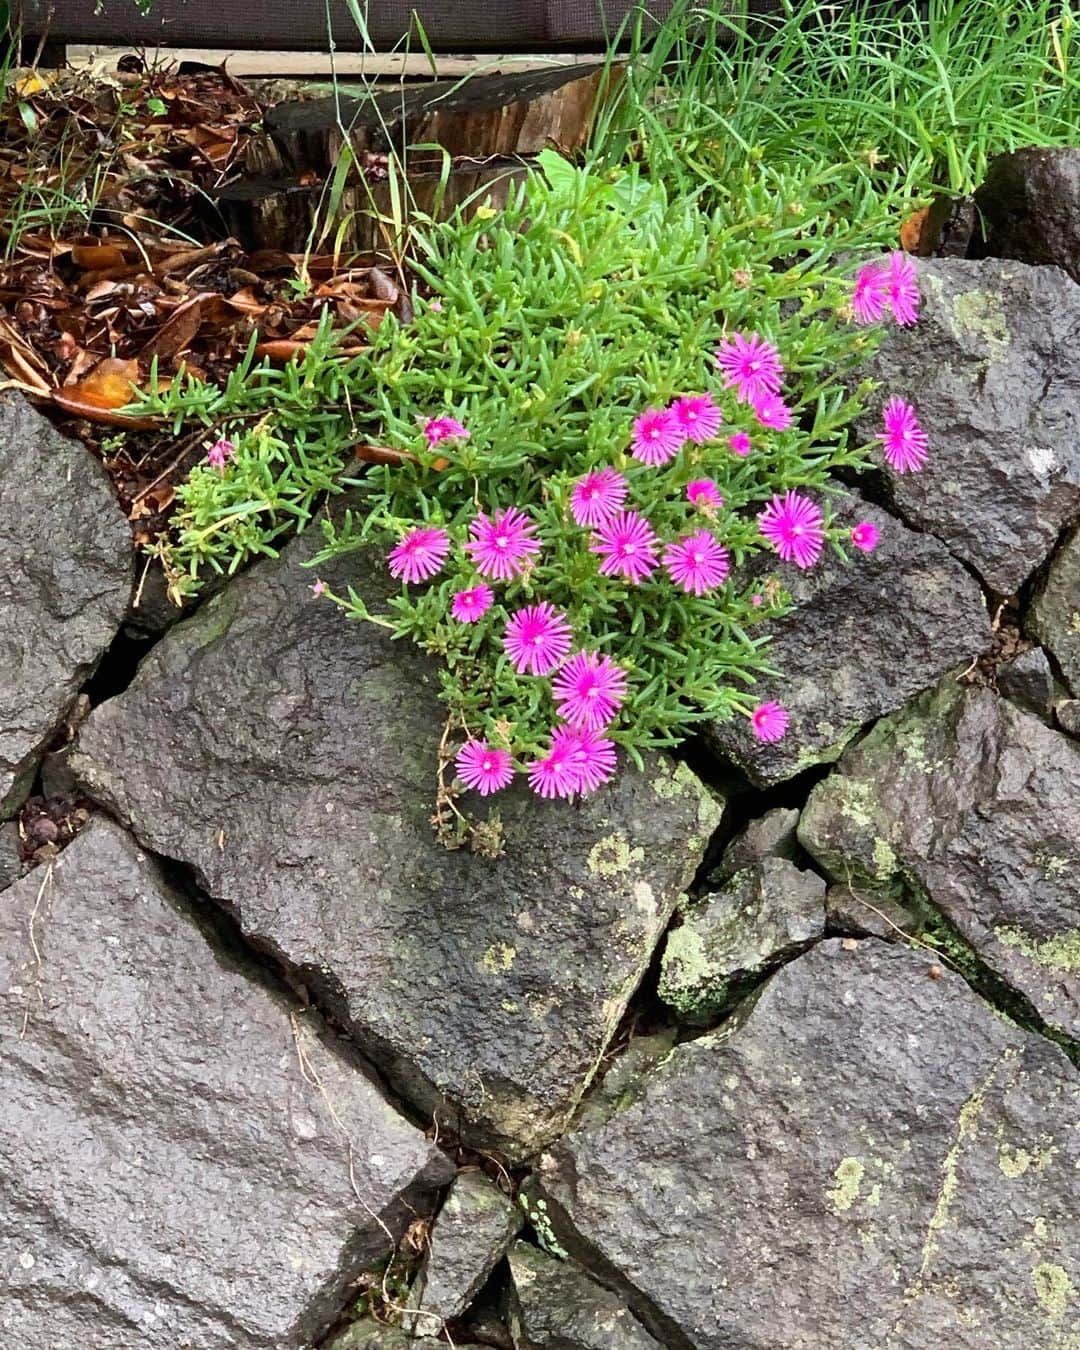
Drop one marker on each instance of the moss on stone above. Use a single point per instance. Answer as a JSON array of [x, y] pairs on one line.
[[1053, 1289], [1060, 952], [848, 1176]]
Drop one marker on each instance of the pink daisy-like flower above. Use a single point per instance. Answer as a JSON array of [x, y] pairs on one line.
[[793, 525], [769, 722], [705, 495], [697, 563], [468, 606], [751, 366], [589, 690], [220, 453], [657, 437], [871, 293], [435, 306], [904, 293], [318, 588], [536, 639], [865, 536], [597, 496], [438, 429], [757, 601], [502, 546], [627, 545], [594, 763], [557, 774], [739, 442], [698, 417], [771, 411], [420, 554], [484, 768], [906, 444]]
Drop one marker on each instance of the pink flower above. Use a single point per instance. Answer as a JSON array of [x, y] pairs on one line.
[[557, 773], [438, 429], [903, 288], [769, 722], [865, 536], [468, 606], [751, 366], [905, 441], [536, 639], [595, 761], [597, 496], [627, 545], [484, 768], [739, 442], [503, 546], [757, 601], [318, 588], [771, 411], [420, 554], [705, 495], [435, 306], [220, 453], [697, 563], [657, 437], [589, 690], [698, 417], [871, 293], [793, 525]]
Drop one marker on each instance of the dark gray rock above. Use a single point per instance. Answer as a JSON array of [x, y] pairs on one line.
[[180, 1147], [11, 866], [765, 914], [289, 758], [1055, 614], [1029, 206], [770, 836], [950, 227], [865, 1156], [993, 369], [864, 637], [868, 914], [966, 801], [1067, 715], [474, 1228], [1028, 682], [556, 1305], [65, 576], [369, 1335]]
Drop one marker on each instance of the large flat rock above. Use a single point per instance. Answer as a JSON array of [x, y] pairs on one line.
[[186, 1163], [867, 1157], [65, 579], [289, 758]]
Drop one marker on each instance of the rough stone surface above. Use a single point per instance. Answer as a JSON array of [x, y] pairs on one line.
[[173, 1175], [849, 909], [556, 1305], [864, 637], [376, 1336], [474, 1228], [966, 801], [1067, 715], [867, 1157], [290, 760], [11, 867], [1028, 682], [764, 915], [65, 576], [993, 369], [770, 836], [1029, 206], [1055, 615]]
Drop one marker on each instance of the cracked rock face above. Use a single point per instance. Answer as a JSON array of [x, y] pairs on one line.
[[1055, 615], [173, 1175], [1029, 207], [556, 1305], [866, 1157], [993, 369], [65, 577], [966, 800], [289, 758]]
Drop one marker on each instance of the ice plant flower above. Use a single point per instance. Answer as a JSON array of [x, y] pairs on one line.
[[484, 768], [697, 563], [597, 496], [771, 411], [751, 366], [438, 429], [420, 554], [769, 722], [757, 601], [657, 437], [469, 605], [871, 293], [220, 453], [536, 639], [793, 525], [318, 588], [904, 294], [594, 762], [905, 441], [435, 306], [627, 545], [589, 690], [705, 495], [503, 546], [739, 442], [865, 536], [698, 417], [557, 774]]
